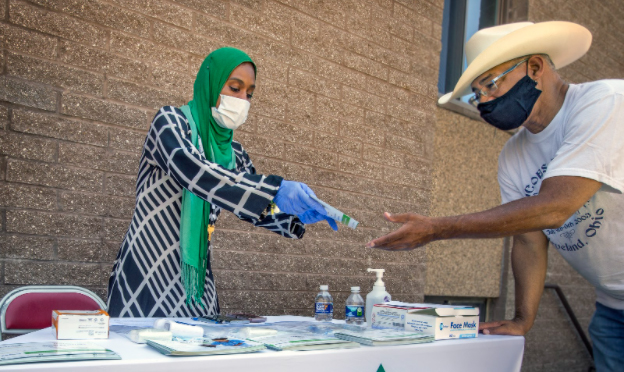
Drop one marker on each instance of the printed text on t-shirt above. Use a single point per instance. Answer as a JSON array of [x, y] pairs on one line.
[[529, 190]]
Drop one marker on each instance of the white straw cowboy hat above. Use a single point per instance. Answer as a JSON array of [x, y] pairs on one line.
[[564, 42]]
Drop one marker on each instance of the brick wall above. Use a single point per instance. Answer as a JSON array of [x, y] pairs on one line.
[[345, 102], [464, 181]]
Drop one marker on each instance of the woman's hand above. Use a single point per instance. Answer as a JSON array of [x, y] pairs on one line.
[[294, 198], [313, 216]]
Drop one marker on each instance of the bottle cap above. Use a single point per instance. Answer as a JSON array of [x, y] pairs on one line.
[[355, 289], [324, 287]]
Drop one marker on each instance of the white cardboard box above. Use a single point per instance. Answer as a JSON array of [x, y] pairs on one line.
[[391, 315], [80, 324], [444, 322]]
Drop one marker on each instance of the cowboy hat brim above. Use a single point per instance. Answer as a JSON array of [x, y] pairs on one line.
[[563, 42]]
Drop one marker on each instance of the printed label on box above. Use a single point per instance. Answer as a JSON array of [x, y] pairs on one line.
[[80, 325]]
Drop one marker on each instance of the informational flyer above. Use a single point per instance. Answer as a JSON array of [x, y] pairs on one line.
[[53, 351]]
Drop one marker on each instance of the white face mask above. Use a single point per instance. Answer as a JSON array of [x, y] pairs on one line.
[[232, 112]]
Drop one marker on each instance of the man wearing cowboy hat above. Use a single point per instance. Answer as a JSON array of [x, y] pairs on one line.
[[561, 175]]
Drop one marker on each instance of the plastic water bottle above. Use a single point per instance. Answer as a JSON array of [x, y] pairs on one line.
[[354, 309], [324, 305]]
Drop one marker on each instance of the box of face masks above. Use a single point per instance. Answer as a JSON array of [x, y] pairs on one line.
[[80, 324], [444, 321], [391, 315]]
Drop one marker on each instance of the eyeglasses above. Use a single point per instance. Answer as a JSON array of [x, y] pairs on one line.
[[491, 87]]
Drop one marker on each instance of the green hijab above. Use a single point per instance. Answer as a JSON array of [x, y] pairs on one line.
[[217, 144]]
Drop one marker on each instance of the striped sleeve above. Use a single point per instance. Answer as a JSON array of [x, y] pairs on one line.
[[286, 225], [168, 146]]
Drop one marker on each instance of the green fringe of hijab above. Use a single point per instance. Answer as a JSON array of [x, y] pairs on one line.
[[217, 143]]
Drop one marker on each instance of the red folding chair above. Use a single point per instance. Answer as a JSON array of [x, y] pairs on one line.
[[29, 308]]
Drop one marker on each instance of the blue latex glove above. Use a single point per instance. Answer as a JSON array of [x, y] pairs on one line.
[[313, 216], [294, 198]]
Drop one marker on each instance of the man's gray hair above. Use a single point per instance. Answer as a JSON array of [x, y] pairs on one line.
[[545, 56], [548, 60]]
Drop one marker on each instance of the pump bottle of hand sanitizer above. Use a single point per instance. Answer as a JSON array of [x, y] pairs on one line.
[[377, 296]]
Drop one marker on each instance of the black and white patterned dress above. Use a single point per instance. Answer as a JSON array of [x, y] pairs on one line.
[[145, 280]]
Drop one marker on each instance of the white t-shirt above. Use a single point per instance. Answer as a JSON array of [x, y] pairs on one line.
[[585, 139]]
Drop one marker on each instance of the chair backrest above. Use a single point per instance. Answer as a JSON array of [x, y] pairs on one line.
[[29, 308]]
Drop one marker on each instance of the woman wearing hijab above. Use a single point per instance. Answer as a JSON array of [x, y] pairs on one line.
[[190, 171]]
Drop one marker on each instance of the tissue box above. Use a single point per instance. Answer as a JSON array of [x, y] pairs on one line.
[[444, 322], [80, 324]]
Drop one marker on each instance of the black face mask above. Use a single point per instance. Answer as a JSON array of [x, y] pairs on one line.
[[511, 109]]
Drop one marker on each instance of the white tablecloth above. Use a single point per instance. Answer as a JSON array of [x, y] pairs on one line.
[[485, 353]]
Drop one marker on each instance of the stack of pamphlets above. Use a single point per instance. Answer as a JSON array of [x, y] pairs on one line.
[[381, 337], [205, 346], [53, 351], [303, 341]]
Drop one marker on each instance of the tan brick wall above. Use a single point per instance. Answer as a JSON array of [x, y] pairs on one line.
[[464, 181], [345, 102]]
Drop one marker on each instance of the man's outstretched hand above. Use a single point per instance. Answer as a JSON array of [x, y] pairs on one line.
[[417, 230], [504, 327]]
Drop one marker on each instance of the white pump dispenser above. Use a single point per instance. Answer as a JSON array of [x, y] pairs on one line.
[[377, 296]]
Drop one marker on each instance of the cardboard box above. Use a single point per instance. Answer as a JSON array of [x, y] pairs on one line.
[[80, 324], [391, 315], [445, 322]]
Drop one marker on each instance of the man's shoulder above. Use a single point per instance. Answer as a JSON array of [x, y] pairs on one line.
[[598, 89], [590, 100]]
